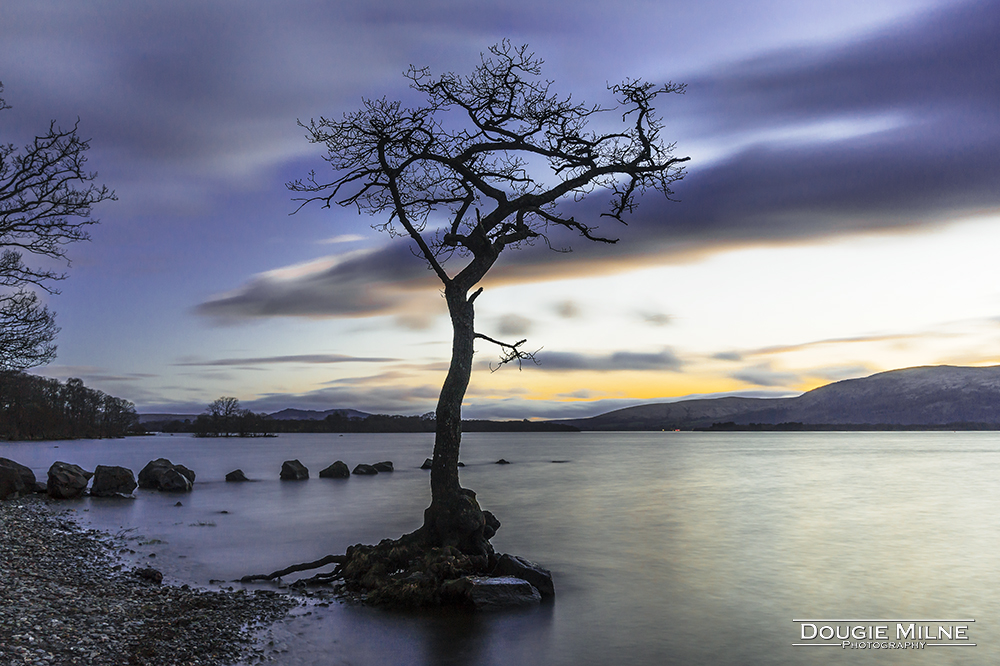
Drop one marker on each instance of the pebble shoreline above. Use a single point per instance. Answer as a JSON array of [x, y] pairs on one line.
[[65, 599]]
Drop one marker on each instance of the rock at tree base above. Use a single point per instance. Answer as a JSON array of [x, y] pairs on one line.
[[67, 481], [384, 466], [485, 593], [293, 470], [338, 470], [161, 474], [540, 578], [11, 484], [111, 481], [364, 470], [428, 463], [236, 476]]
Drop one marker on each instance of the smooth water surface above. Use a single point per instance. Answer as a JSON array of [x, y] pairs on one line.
[[666, 548]]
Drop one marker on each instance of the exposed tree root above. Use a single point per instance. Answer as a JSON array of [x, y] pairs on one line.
[[295, 568], [408, 572]]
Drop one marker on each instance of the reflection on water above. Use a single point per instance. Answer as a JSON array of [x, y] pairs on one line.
[[666, 548]]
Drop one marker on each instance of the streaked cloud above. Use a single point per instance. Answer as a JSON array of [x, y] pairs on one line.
[[342, 238], [389, 280], [765, 375], [937, 159], [619, 360], [295, 358]]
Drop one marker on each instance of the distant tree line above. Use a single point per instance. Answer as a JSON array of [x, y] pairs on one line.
[[33, 407], [215, 423], [225, 418]]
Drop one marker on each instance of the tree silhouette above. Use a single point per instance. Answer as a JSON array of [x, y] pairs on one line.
[[488, 163], [46, 197]]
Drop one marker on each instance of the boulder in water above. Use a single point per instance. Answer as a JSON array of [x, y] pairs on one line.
[[111, 481], [67, 481], [27, 476], [11, 484], [236, 476], [365, 470], [293, 470], [338, 470], [161, 474]]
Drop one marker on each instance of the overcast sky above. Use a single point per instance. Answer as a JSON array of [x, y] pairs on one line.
[[840, 215]]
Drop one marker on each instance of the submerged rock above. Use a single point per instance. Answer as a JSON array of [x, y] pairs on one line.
[[236, 476], [486, 593], [428, 463], [384, 466], [293, 470], [161, 474], [67, 481], [540, 578], [364, 469], [502, 462], [111, 480], [338, 470]]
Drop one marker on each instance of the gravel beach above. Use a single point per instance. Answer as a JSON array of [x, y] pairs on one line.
[[64, 599]]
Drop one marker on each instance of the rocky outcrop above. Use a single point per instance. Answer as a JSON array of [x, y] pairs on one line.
[[67, 481], [338, 470], [518, 567], [112, 481], [384, 466], [236, 476], [161, 474], [293, 470], [491, 593], [364, 470]]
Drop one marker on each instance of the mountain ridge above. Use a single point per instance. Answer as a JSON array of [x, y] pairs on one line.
[[907, 397]]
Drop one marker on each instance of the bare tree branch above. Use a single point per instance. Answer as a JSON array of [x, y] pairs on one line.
[[46, 200], [510, 352]]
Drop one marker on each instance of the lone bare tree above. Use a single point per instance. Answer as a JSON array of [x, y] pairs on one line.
[[484, 166], [46, 197]]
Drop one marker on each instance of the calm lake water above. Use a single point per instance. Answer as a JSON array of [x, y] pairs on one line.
[[665, 548]]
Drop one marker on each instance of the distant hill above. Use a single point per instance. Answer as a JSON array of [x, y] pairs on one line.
[[283, 415], [313, 415], [924, 396]]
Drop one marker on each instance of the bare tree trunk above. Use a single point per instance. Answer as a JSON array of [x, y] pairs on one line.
[[454, 517]]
